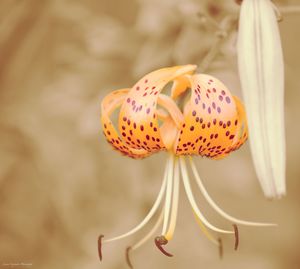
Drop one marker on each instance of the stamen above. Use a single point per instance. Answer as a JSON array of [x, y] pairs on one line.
[[205, 231], [159, 242], [216, 207], [100, 246], [192, 201], [128, 249], [220, 248], [236, 234], [151, 212], [175, 200], [169, 193], [150, 234]]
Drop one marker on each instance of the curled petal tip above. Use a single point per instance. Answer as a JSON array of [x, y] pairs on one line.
[[159, 242]]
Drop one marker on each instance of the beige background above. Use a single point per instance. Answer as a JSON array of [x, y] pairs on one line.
[[61, 184]]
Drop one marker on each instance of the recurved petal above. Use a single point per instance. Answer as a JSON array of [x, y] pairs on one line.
[[212, 123], [261, 72], [111, 102], [138, 119]]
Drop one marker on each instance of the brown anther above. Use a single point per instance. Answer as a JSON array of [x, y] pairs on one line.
[[236, 234], [220, 248], [128, 257], [100, 246], [239, 2], [159, 242]]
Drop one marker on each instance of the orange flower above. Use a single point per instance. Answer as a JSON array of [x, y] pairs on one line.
[[200, 117]]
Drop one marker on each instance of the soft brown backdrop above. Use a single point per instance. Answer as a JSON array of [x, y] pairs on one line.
[[61, 184]]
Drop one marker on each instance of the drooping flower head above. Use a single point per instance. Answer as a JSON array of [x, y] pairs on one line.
[[211, 123], [198, 117]]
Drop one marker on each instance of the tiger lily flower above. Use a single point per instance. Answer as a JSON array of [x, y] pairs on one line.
[[200, 117], [261, 71]]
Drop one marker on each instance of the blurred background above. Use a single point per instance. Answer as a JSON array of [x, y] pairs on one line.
[[61, 184]]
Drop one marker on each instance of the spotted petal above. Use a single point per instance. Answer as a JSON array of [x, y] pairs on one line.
[[138, 119], [214, 123], [109, 104]]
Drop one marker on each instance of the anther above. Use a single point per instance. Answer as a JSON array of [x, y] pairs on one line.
[[236, 234], [159, 242], [100, 246], [128, 249], [220, 248]]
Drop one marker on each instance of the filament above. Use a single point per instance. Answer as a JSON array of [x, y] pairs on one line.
[[150, 234], [152, 211], [205, 231], [216, 207], [143, 240], [167, 208], [192, 201], [175, 200]]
